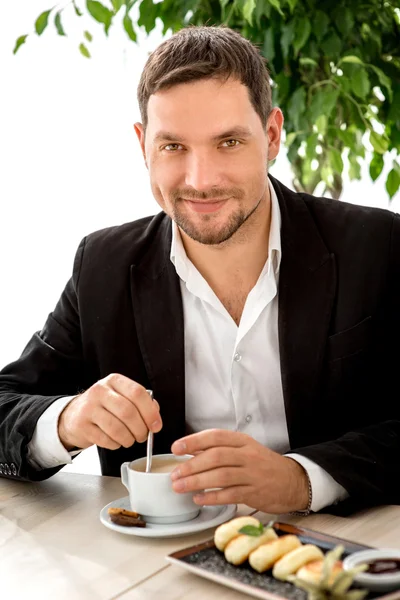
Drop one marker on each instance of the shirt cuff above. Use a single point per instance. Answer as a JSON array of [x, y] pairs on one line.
[[45, 449], [325, 490]]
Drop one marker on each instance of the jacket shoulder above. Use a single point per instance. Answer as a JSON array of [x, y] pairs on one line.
[[345, 212], [126, 241]]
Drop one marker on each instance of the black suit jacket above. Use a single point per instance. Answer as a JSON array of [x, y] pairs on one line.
[[339, 331]]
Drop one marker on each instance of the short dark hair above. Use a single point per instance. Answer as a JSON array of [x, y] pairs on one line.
[[201, 52]]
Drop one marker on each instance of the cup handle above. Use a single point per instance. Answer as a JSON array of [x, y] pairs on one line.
[[124, 474]]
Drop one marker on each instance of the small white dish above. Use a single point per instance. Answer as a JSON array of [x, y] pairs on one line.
[[374, 581], [209, 516]]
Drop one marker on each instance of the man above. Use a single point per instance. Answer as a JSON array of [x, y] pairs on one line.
[[265, 322]]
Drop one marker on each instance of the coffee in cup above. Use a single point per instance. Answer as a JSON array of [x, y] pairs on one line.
[[158, 465], [151, 494]]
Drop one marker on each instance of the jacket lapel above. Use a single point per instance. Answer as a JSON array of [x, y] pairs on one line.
[[307, 283], [158, 312]]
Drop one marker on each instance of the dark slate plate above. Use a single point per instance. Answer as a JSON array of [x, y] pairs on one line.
[[205, 560]]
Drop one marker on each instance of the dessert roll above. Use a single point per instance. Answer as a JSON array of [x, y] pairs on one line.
[[267, 555], [312, 572], [290, 563], [228, 531], [238, 550]]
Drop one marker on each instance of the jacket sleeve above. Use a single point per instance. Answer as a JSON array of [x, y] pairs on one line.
[[50, 367], [365, 461]]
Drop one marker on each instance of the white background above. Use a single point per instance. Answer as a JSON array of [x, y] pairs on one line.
[[69, 159]]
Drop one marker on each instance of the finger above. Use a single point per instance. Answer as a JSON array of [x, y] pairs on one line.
[[139, 396], [128, 414], [208, 460], [113, 427], [217, 478], [210, 438], [96, 436], [232, 495]]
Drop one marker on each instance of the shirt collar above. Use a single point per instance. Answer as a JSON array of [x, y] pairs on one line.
[[182, 264]]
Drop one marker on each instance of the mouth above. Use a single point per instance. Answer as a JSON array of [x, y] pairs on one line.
[[205, 206]]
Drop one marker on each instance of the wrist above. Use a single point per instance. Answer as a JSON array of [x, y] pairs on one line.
[[62, 430], [302, 489]]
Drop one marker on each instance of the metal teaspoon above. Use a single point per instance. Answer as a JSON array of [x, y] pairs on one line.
[[149, 455]]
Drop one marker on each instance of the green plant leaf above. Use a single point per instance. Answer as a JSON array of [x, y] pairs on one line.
[[393, 182], [269, 45], [287, 36], [394, 111], [327, 174], [42, 21], [116, 4], [252, 530], [311, 144], [88, 36], [277, 5], [308, 61], [302, 33], [77, 10], [384, 80], [100, 13], [376, 166], [335, 160], [361, 84], [351, 59], [290, 139], [321, 124], [128, 26], [331, 45], [344, 20], [21, 40], [148, 14], [58, 24], [83, 50], [292, 4], [320, 24], [378, 142], [323, 102], [355, 167], [248, 10], [296, 106]]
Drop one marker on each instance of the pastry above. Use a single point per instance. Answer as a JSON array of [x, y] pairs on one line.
[[312, 572], [267, 555], [238, 550], [295, 559], [228, 531], [121, 516]]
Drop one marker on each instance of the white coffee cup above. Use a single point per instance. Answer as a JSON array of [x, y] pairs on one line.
[[151, 494]]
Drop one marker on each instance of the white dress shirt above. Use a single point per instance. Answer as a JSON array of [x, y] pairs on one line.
[[232, 373]]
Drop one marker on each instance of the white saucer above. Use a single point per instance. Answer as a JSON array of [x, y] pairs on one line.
[[209, 516]]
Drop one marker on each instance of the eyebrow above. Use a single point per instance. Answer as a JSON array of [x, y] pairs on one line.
[[240, 132]]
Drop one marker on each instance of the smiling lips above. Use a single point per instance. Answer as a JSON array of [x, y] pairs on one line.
[[205, 206]]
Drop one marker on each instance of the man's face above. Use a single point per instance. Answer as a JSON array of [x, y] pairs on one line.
[[206, 151]]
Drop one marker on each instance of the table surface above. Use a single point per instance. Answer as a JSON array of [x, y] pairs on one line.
[[53, 545]]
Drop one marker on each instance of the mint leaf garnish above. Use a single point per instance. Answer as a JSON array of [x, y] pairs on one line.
[[252, 530]]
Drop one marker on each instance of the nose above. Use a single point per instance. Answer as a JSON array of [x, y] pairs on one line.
[[202, 172]]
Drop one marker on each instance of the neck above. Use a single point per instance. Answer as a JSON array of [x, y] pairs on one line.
[[242, 257]]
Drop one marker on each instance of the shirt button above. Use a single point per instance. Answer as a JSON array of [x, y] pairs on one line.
[[249, 418], [237, 357]]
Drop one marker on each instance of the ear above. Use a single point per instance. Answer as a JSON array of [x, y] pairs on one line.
[[273, 132], [138, 127]]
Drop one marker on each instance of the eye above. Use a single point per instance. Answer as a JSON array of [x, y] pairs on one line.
[[231, 143], [172, 147]]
